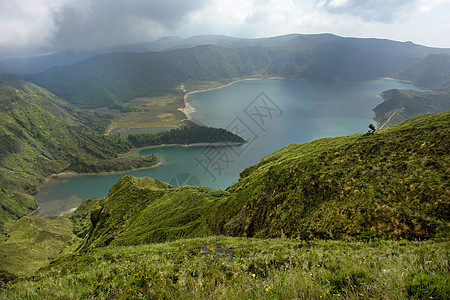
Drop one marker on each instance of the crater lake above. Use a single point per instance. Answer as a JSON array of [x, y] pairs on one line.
[[269, 114]]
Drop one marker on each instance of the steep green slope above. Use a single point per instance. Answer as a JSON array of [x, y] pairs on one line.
[[143, 210], [432, 72], [390, 184], [393, 183], [41, 134], [400, 105]]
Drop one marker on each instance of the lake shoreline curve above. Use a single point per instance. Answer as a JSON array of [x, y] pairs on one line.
[[188, 109]]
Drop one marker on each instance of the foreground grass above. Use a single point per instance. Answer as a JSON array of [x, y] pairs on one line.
[[241, 268]]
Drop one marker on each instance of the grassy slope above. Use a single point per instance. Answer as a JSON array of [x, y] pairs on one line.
[[243, 268], [391, 184], [41, 134], [33, 242]]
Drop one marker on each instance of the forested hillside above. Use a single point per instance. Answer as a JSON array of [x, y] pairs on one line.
[[432, 72], [41, 134], [186, 136]]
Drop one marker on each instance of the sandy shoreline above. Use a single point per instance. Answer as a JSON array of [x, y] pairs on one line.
[[217, 144], [188, 109], [396, 79]]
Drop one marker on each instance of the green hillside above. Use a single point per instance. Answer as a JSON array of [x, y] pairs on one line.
[[117, 78], [36, 64], [40, 135], [432, 72], [336, 217], [400, 105]]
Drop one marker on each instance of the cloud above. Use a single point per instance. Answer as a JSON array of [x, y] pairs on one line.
[[25, 23], [52, 25], [387, 11], [86, 24], [250, 18]]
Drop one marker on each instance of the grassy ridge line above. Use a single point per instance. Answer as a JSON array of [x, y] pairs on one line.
[[144, 210], [392, 184]]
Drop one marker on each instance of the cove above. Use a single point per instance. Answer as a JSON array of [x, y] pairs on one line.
[[270, 114]]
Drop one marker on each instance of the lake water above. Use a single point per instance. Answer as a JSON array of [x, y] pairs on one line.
[[270, 114]]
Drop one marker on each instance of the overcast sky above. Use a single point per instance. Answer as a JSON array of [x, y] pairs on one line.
[[31, 26]]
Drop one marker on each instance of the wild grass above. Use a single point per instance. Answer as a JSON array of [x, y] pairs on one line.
[[245, 268], [33, 242]]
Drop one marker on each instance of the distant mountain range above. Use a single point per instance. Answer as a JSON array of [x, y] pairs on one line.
[[112, 78], [40, 63]]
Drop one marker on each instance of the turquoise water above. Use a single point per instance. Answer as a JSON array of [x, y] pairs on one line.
[[270, 114]]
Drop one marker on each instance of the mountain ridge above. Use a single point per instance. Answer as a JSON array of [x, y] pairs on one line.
[[354, 187], [119, 77], [40, 63]]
